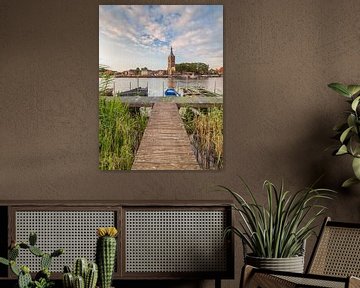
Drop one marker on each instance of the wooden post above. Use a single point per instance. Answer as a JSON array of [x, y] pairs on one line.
[[163, 90], [217, 283], [215, 87]]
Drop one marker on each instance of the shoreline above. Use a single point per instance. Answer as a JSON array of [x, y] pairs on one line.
[[169, 77]]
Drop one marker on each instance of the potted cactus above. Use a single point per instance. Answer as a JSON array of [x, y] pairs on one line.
[[42, 278], [106, 254], [84, 275]]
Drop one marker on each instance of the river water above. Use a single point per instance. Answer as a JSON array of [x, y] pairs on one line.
[[157, 86]]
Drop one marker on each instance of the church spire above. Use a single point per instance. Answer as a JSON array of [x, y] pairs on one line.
[[171, 62]]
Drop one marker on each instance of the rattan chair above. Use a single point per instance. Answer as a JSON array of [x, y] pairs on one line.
[[334, 263]]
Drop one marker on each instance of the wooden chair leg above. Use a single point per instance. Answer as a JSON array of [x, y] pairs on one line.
[[263, 280], [354, 282], [246, 273], [217, 283], [251, 279]]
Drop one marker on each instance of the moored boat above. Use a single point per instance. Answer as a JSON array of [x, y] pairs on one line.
[[171, 92], [135, 92]]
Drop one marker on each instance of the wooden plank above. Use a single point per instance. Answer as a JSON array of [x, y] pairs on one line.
[[193, 101], [165, 144]]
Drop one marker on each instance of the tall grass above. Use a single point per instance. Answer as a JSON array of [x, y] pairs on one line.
[[120, 132], [105, 80], [205, 127]]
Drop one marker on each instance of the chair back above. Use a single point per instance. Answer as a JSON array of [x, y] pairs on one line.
[[337, 251]]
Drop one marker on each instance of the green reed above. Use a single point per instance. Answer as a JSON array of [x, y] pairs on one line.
[[120, 132], [106, 79], [205, 127]]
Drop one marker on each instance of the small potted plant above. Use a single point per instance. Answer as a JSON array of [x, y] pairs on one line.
[[348, 132], [275, 234]]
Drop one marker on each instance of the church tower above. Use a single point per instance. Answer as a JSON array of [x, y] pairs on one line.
[[171, 63]]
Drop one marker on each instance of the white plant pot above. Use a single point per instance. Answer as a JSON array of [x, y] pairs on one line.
[[291, 264]]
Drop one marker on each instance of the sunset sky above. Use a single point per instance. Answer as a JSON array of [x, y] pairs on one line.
[[141, 35]]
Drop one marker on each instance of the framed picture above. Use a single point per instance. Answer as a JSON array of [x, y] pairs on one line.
[[161, 87]]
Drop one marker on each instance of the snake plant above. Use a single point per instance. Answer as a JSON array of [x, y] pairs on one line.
[[279, 228]]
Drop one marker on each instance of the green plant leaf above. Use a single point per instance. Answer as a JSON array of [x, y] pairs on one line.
[[356, 167], [340, 88], [349, 182], [4, 261], [355, 103], [14, 268], [351, 120], [279, 228], [353, 89], [354, 145], [345, 134], [342, 150]]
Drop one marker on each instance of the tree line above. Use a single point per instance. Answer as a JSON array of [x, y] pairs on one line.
[[196, 68]]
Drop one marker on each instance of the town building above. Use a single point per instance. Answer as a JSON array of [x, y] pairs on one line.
[[144, 72], [131, 72], [159, 72], [220, 70], [171, 63]]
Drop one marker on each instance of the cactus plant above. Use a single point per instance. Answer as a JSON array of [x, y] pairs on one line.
[[57, 253], [79, 282], [14, 268], [105, 254], [68, 280], [42, 283], [43, 274], [80, 268], [91, 276], [4, 261], [42, 278], [13, 253], [45, 261], [24, 277], [84, 274], [32, 239], [36, 251]]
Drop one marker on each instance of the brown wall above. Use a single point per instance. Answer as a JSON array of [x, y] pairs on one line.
[[279, 57]]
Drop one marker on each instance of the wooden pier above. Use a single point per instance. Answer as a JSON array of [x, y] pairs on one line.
[[165, 144], [193, 101], [198, 91]]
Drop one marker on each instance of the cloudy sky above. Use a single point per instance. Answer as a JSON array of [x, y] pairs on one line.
[[141, 35]]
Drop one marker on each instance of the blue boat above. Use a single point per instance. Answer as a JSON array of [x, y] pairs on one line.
[[171, 92]]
